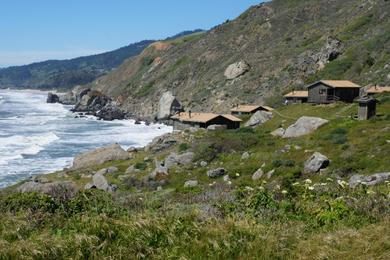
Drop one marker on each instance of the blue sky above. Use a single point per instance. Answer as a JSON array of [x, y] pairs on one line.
[[35, 30]]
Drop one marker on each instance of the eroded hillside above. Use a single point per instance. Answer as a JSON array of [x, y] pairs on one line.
[[285, 43]]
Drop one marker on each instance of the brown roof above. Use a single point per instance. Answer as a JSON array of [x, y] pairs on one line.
[[340, 83], [202, 117], [249, 108], [376, 89], [300, 93]]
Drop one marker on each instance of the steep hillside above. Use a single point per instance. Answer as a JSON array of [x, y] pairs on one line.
[[65, 74], [285, 43]]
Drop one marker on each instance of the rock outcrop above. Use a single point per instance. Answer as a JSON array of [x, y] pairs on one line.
[[100, 156], [278, 132], [52, 98], [161, 143], [371, 180], [178, 159], [55, 189], [303, 126], [236, 69], [168, 105], [258, 118], [315, 163]]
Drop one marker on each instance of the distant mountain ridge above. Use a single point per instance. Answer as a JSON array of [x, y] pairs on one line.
[[65, 74]]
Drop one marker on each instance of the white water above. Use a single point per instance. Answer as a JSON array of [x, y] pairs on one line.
[[36, 137]]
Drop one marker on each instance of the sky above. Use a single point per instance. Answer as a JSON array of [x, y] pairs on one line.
[[37, 30]]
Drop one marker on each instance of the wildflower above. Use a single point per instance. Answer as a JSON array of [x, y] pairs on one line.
[[295, 184], [342, 183], [261, 188], [229, 183], [310, 188], [277, 187], [284, 192], [264, 182], [329, 179], [237, 175], [323, 184], [140, 198], [308, 181], [249, 188], [370, 192]]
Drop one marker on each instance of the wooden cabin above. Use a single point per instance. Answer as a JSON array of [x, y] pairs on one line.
[[329, 91], [377, 90], [367, 108], [296, 97], [249, 109], [204, 120]]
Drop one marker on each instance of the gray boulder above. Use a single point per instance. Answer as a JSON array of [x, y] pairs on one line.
[[371, 180], [191, 184], [100, 156], [168, 105], [315, 163], [257, 175], [178, 159], [131, 169], [303, 126], [110, 112], [93, 101], [236, 69], [62, 189], [259, 118], [161, 143], [214, 173]]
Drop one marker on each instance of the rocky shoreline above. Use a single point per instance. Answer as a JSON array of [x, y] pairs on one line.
[[90, 102]]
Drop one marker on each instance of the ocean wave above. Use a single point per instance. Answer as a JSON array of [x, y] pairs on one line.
[[14, 147]]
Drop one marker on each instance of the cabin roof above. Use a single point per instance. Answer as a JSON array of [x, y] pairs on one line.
[[377, 90], [202, 117], [249, 108], [299, 93], [337, 84]]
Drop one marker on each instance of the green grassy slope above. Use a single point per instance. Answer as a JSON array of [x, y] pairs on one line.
[[290, 215]]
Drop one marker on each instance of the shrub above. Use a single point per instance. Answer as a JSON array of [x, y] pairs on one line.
[[183, 147], [338, 136], [27, 201], [141, 166]]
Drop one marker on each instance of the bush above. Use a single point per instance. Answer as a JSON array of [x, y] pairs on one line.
[[27, 201], [183, 147], [338, 136]]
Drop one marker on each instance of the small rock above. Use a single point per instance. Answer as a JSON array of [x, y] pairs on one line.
[[178, 159], [112, 169], [257, 175], [285, 149], [159, 188], [316, 162], [278, 132], [89, 186], [226, 178], [132, 169], [190, 184], [371, 180], [270, 173], [245, 156], [203, 163], [216, 172]]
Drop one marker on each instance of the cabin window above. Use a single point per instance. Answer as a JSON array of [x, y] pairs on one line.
[[322, 91]]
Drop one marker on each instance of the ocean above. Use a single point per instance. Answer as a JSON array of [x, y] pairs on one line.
[[38, 138]]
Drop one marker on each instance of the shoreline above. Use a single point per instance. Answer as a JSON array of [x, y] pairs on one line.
[[120, 127]]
